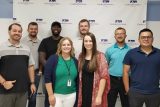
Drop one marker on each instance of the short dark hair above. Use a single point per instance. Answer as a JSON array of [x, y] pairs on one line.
[[32, 23], [10, 26], [56, 24], [84, 20], [120, 28], [145, 30]]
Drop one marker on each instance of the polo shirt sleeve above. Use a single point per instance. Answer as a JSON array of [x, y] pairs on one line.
[[31, 60], [42, 47], [107, 55], [127, 58]]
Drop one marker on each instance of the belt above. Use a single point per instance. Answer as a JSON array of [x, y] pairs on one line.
[[115, 77]]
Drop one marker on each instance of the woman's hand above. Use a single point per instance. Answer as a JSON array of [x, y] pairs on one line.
[[52, 100], [98, 100]]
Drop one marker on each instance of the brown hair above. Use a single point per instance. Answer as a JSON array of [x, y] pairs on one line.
[[10, 26], [120, 28], [92, 66], [84, 20]]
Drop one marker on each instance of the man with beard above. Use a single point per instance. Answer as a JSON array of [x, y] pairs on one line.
[[48, 47], [115, 55], [16, 70], [83, 27], [33, 43]]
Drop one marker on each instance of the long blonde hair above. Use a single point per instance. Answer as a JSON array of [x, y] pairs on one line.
[[59, 50]]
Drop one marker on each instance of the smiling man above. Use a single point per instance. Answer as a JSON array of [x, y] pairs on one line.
[[84, 27], [48, 47], [143, 63], [33, 42], [16, 70], [115, 55]]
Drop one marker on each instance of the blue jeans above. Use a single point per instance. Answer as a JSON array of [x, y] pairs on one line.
[[32, 97]]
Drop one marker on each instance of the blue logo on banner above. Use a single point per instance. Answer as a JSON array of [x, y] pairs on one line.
[[133, 1], [65, 20], [118, 21], [14, 18], [39, 20], [104, 40], [52, 0], [78, 1], [131, 40], [105, 1], [25, 0], [91, 21]]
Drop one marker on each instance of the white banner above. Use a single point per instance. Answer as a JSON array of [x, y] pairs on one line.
[[104, 15]]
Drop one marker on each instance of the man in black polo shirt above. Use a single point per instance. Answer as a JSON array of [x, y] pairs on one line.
[[16, 70], [48, 47], [144, 64]]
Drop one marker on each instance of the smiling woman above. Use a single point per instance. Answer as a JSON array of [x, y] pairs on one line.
[[61, 75], [94, 82]]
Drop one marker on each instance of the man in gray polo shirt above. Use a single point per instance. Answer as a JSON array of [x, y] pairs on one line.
[[16, 70], [33, 42]]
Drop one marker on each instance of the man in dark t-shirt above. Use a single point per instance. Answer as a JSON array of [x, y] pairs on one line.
[[48, 47]]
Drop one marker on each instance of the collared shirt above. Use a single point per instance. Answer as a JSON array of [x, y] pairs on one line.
[[115, 56], [33, 45], [145, 70], [14, 63]]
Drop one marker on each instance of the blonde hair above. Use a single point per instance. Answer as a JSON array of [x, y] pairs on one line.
[[59, 50]]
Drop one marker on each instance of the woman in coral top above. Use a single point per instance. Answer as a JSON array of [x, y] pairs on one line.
[[94, 81]]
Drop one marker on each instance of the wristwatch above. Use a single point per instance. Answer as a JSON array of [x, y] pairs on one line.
[[32, 83]]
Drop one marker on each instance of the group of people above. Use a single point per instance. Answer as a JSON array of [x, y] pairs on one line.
[[89, 79]]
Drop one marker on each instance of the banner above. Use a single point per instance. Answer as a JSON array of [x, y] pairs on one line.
[[104, 16]]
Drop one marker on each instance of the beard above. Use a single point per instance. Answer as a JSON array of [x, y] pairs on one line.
[[56, 34], [84, 32]]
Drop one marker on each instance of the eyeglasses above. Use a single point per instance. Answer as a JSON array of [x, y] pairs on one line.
[[146, 37]]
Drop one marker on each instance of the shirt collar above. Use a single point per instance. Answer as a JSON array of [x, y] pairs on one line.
[[116, 46], [153, 49], [29, 39], [9, 44]]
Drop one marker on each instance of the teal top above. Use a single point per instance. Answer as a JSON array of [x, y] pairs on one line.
[[115, 56], [66, 74]]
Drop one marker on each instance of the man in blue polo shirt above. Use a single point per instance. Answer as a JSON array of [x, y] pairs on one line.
[[115, 55], [144, 64]]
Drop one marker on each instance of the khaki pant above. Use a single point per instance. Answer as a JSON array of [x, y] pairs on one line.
[[13, 100]]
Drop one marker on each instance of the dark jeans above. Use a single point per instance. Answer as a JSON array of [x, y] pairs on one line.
[[117, 87], [32, 97], [137, 99]]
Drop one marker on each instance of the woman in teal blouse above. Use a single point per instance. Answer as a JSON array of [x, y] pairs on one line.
[[61, 75]]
